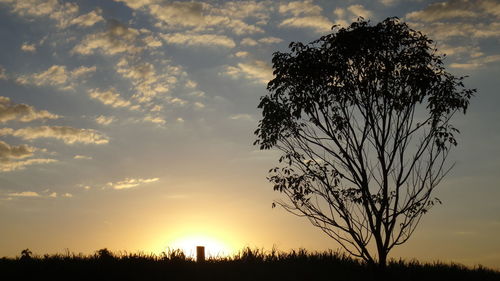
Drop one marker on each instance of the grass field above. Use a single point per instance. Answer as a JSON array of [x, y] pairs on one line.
[[246, 265]]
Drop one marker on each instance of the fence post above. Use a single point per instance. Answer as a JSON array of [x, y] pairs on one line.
[[200, 253]]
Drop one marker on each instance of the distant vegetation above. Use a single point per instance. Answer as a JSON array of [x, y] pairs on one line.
[[248, 264]]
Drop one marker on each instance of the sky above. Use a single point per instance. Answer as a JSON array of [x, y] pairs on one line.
[[128, 124]]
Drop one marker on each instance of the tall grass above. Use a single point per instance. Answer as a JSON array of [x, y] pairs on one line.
[[248, 264]]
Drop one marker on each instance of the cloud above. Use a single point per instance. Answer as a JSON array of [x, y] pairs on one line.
[[105, 120], [56, 75], [83, 157], [359, 11], [53, 9], [270, 40], [82, 70], [178, 13], [33, 194], [154, 119], [448, 30], [130, 183], [13, 157], [117, 38], [469, 51], [266, 40], [193, 39], [25, 194], [258, 71], [146, 80], [21, 112], [198, 16], [297, 8], [241, 54], [246, 117], [388, 2], [28, 47], [317, 23], [199, 105], [249, 42], [110, 97], [15, 152], [152, 42], [476, 63], [458, 10], [68, 135], [88, 19], [304, 14]]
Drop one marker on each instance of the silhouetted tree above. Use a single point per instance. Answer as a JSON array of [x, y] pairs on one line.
[[362, 117]]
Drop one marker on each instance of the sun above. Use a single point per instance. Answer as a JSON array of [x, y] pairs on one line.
[[213, 246]]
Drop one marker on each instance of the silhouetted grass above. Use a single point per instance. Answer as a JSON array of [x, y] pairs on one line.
[[248, 264]]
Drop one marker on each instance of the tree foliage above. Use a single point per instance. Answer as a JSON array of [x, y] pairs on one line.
[[362, 116]]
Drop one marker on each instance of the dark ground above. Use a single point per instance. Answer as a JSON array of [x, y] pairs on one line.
[[247, 265]]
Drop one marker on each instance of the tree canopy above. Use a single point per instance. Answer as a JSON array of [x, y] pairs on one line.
[[363, 118]]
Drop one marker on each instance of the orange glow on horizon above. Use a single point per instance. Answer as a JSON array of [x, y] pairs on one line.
[[213, 247]]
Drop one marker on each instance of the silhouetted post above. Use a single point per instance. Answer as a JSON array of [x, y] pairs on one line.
[[200, 253]]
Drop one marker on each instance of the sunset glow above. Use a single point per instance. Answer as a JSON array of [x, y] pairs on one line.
[[129, 125], [213, 247]]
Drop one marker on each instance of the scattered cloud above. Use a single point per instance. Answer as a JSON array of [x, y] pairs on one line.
[[10, 111], [241, 54], [454, 9], [265, 40], [450, 30], [191, 84], [15, 152], [476, 63], [258, 71], [117, 38], [82, 71], [33, 194], [152, 42], [83, 157], [68, 135], [298, 8], [25, 194], [31, 48], [88, 19], [270, 40], [154, 119], [130, 183], [62, 13], [198, 16], [104, 120], [56, 75], [388, 2], [460, 26], [146, 80], [359, 11], [9, 163], [109, 97], [199, 105], [249, 42], [193, 39], [304, 14], [468, 51], [246, 117], [317, 23]]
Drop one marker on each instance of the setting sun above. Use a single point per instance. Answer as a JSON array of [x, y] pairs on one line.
[[213, 246]]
